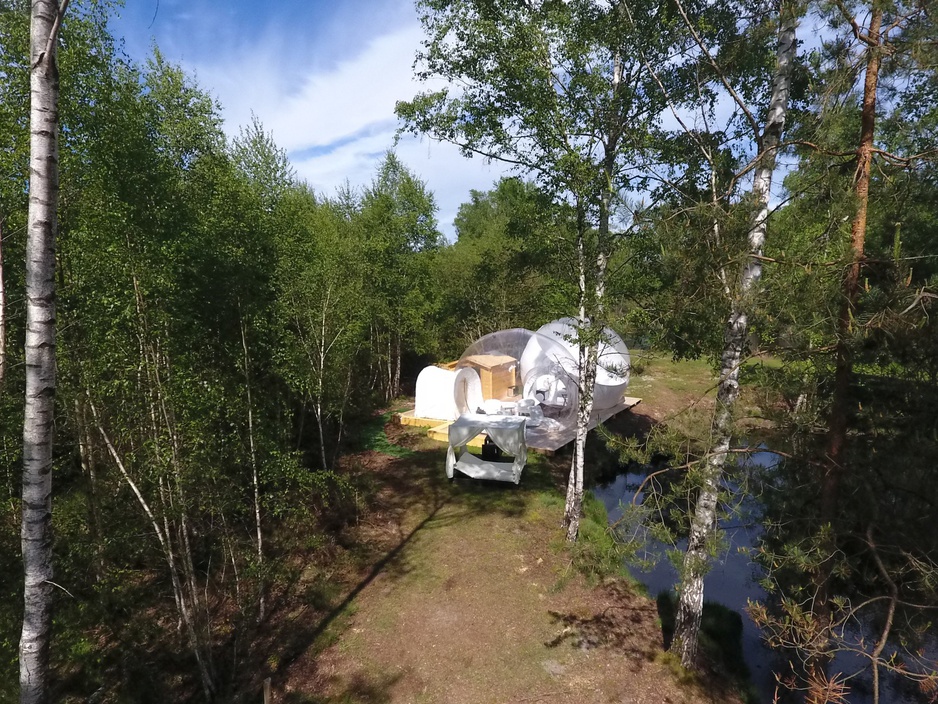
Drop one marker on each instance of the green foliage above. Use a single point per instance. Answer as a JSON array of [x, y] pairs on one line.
[[218, 318], [507, 268], [209, 305], [597, 553], [371, 436], [398, 221]]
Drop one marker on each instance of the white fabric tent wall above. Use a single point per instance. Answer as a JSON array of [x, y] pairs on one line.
[[507, 432], [435, 397]]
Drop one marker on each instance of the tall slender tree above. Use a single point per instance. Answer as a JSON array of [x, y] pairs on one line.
[[45, 20], [704, 519], [881, 32], [399, 219], [3, 312]]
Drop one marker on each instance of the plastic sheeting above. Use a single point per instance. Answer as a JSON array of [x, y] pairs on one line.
[[613, 362], [522, 377], [536, 366], [508, 366], [507, 432]]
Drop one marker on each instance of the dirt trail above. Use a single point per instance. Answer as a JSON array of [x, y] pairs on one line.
[[475, 602]]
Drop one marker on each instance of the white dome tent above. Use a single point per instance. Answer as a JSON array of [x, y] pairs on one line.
[[613, 362], [518, 372], [520, 389], [434, 394]]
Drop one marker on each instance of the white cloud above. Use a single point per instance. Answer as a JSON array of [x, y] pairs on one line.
[[328, 98], [448, 174], [358, 93], [337, 121], [316, 107]]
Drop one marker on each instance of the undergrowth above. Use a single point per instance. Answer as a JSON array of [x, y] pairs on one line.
[[597, 554], [371, 436]]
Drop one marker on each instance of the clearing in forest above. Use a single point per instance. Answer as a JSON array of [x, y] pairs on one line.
[[474, 598]]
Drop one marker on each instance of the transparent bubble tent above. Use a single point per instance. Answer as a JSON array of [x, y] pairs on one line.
[[519, 388]]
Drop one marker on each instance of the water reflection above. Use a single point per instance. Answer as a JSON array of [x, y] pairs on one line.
[[734, 580]]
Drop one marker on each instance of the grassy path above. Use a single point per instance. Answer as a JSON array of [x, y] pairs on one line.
[[473, 600]]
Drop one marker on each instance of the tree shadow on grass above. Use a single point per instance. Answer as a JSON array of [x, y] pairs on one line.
[[319, 635], [409, 496], [412, 497], [628, 626], [360, 689]]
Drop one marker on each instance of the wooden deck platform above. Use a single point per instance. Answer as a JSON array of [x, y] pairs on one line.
[[441, 434], [408, 418], [539, 439]]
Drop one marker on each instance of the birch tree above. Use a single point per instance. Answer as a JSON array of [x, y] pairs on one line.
[[326, 314], [45, 20], [3, 312], [704, 519], [557, 90]]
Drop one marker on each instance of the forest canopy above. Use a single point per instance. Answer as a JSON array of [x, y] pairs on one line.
[[227, 335]]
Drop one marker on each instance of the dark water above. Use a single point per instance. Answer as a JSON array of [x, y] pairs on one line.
[[733, 582]]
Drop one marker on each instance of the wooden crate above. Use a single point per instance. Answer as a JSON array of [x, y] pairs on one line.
[[498, 372]]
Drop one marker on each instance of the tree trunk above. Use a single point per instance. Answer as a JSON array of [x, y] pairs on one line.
[[89, 469], [321, 386], [389, 389], [340, 431], [322, 434], [840, 403], [396, 383], [591, 291], [186, 604], [302, 423], [38, 425], [254, 475], [3, 315], [191, 603], [573, 508], [704, 520], [838, 419]]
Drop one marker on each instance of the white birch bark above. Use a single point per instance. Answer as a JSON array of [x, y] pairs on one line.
[[396, 384], [254, 474], [38, 423], [3, 315], [321, 380], [704, 521], [588, 358], [590, 317], [173, 535], [184, 603], [89, 468]]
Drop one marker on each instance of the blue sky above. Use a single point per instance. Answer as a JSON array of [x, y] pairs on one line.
[[323, 77]]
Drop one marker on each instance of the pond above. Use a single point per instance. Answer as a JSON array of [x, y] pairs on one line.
[[734, 580]]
